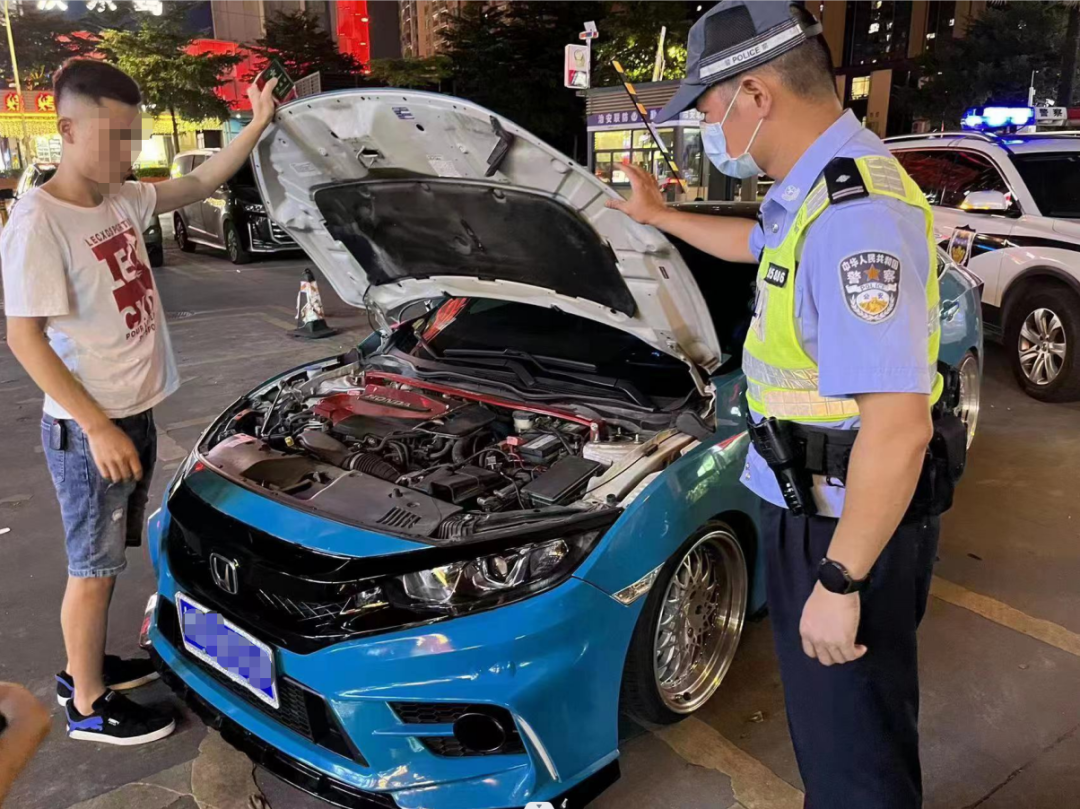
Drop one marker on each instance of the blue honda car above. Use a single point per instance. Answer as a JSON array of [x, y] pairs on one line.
[[430, 573]]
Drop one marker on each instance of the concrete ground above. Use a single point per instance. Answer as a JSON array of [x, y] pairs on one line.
[[1000, 647]]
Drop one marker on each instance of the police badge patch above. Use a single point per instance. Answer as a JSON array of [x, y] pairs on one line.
[[871, 284]]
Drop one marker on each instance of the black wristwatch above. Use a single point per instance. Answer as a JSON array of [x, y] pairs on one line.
[[835, 578]]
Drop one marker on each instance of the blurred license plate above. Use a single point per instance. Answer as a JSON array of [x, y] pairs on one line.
[[223, 646]]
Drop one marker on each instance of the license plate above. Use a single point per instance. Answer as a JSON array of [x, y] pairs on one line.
[[226, 648]]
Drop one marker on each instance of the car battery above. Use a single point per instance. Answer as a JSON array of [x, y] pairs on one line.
[[541, 449]]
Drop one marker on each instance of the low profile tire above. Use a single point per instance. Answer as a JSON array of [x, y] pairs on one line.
[[1042, 336], [970, 391], [234, 247], [181, 235], [688, 630], [157, 256]]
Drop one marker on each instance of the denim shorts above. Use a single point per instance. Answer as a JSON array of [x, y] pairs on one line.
[[101, 519]]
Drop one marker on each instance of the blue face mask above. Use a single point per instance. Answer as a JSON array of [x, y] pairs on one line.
[[714, 142]]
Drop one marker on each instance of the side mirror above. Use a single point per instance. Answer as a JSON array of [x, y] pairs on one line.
[[986, 201]]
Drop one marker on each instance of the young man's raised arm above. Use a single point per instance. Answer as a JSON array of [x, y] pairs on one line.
[[207, 178]]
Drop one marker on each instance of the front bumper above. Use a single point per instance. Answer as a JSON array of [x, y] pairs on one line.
[[553, 661], [321, 785]]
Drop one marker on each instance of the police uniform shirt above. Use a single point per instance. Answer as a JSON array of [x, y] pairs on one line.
[[856, 351]]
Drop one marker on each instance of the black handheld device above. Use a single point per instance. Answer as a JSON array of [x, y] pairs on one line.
[[781, 452]]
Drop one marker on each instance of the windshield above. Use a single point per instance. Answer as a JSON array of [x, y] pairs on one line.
[[1054, 181], [480, 324]]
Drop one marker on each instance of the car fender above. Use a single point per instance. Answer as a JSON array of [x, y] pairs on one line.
[[962, 324], [1054, 264], [700, 486]]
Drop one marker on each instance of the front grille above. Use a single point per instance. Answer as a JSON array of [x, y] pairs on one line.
[[277, 232], [299, 599], [300, 710], [305, 611], [448, 746], [429, 713], [446, 713]]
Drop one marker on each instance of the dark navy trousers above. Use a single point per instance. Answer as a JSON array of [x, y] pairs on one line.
[[854, 726]]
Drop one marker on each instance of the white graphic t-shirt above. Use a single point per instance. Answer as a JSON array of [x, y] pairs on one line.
[[87, 271]]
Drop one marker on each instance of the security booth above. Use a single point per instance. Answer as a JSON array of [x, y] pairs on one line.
[[617, 135]]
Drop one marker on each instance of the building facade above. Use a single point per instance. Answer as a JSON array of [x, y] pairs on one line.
[[423, 24], [875, 44]]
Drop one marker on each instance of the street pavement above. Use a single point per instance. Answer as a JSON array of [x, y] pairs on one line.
[[1000, 647]]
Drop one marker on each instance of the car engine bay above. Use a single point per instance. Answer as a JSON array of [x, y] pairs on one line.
[[424, 460]]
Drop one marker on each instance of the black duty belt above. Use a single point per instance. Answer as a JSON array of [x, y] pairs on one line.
[[825, 451], [796, 452]]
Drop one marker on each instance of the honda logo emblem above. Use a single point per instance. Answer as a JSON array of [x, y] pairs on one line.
[[224, 572]]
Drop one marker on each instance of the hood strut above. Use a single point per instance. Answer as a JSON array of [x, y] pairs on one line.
[[502, 148]]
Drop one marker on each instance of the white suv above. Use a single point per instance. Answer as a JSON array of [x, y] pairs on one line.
[[1008, 207]]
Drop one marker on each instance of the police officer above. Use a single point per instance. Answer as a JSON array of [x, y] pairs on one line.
[[843, 344]]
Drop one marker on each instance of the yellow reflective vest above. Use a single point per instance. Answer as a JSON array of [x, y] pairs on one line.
[[782, 378]]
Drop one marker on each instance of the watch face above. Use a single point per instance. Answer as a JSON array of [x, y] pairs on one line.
[[833, 579]]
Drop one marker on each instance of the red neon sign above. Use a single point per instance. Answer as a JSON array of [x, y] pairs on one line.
[[354, 30]]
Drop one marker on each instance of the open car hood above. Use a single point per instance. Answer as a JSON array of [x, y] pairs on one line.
[[401, 195]]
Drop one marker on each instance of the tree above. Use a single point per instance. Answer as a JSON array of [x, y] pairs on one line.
[[1069, 47], [298, 41], [510, 60], [992, 62], [156, 54], [630, 32], [418, 74], [43, 40]]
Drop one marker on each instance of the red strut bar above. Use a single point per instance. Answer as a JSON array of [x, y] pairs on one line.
[[594, 426]]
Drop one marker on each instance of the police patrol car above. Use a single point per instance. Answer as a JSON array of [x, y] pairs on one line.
[[1007, 206]]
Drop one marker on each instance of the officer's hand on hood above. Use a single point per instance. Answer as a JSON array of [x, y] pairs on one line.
[[646, 203]]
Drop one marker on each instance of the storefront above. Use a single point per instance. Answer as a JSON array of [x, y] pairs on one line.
[[617, 135], [28, 133], [27, 129]]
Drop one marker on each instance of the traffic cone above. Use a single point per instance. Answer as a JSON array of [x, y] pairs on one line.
[[310, 321]]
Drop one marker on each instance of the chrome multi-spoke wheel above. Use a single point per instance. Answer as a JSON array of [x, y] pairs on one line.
[[968, 409], [700, 621], [1041, 346]]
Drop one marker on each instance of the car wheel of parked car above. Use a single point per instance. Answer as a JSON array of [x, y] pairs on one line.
[[157, 255], [689, 629], [968, 409], [1042, 335], [180, 232], [233, 245]]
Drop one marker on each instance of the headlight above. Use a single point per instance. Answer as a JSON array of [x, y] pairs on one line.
[[493, 580], [181, 473], [254, 207]]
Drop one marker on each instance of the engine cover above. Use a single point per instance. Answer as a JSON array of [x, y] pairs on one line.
[[380, 401]]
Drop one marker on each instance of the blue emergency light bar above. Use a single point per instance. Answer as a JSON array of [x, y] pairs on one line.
[[985, 119]]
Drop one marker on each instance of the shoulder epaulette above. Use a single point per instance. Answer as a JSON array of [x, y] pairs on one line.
[[843, 180]]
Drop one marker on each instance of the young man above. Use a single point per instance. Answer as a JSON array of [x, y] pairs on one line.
[[85, 321], [843, 343]]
